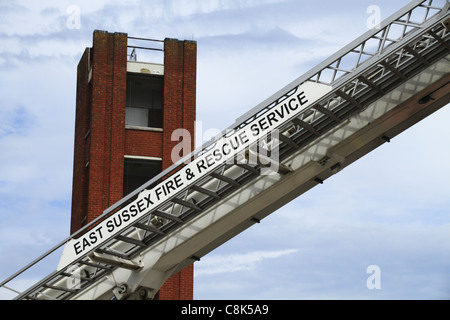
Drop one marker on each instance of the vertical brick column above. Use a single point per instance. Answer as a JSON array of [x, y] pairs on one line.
[[99, 127], [97, 130], [82, 125], [118, 101], [108, 121], [179, 112], [180, 65], [190, 88]]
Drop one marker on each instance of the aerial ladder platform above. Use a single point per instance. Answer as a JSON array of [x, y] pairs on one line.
[[361, 97]]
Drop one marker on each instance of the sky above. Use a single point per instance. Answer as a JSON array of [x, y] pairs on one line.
[[388, 212]]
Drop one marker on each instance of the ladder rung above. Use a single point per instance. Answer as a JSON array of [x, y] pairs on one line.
[[259, 149], [115, 261], [371, 84], [71, 275], [131, 240], [95, 265], [268, 162], [327, 112], [166, 215], [113, 253], [439, 39], [224, 178], [393, 70], [205, 191], [59, 288], [148, 228], [288, 140], [186, 204], [349, 99], [248, 167], [417, 55], [306, 126]]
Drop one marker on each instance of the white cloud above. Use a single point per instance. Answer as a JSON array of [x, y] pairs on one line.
[[188, 7], [236, 262], [28, 19]]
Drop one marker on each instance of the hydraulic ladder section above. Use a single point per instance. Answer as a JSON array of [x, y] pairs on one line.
[[361, 97]]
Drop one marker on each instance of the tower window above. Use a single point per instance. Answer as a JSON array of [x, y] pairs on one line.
[[144, 100], [137, 172]]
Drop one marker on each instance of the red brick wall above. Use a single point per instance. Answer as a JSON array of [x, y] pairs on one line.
[[179, 112], [179, 286], [101, 139], [143, 143], [117, 133], [179, 92], [107, 131], [82, 125]]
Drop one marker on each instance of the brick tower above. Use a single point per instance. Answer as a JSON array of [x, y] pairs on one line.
[[126, 112]]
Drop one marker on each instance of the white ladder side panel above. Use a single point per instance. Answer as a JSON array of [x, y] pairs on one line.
[[304, 96]]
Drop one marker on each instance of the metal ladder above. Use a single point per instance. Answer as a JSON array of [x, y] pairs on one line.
[[365, 70]]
